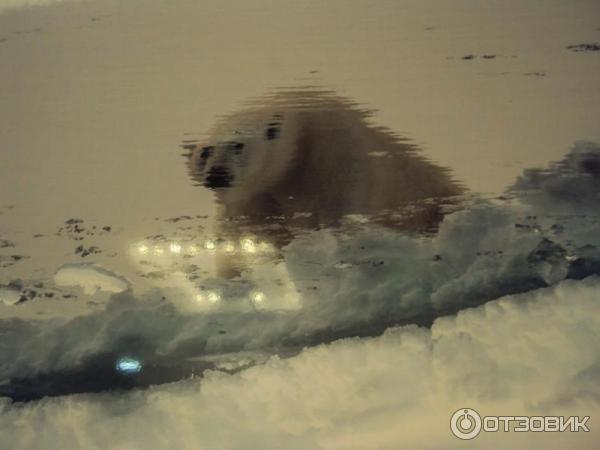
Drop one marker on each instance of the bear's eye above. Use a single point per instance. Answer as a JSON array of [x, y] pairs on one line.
[[236, 147], [272, 131], [206, 152]]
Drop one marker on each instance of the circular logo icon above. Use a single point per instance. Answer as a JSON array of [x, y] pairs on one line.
[[465, 423]]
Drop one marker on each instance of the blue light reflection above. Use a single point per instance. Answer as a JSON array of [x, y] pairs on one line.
[[128, 366]]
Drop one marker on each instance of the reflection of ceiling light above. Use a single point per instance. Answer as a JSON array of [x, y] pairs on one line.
[[143, 249], [175, 248], [248, 245], [213, 297], [128, 365], [193, 250], [158, 250], [258, 297], [209, 245], [264, 247], [229, 247]]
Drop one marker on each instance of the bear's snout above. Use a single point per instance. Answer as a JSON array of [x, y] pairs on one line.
[[218, 177]]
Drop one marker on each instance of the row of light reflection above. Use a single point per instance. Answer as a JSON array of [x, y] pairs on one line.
[[214, 297], [246, 245]]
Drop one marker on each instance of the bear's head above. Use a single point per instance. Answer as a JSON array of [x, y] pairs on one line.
[[247, 153], [315, 152]]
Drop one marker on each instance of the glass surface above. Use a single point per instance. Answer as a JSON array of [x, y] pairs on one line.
[[303, 222]]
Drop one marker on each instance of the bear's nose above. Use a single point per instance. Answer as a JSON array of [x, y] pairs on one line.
[[218, 177]]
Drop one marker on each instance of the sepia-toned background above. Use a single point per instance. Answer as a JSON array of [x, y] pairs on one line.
[[96, 98]]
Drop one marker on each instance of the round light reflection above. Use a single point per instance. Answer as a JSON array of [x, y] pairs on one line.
[[248, 245], [258, 297], [128, 366], [213, 297]]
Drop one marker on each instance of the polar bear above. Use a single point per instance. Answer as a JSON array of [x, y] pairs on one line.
[[304, 159]]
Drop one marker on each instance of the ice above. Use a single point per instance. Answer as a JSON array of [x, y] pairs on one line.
[[9, 296], [91, 278]]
